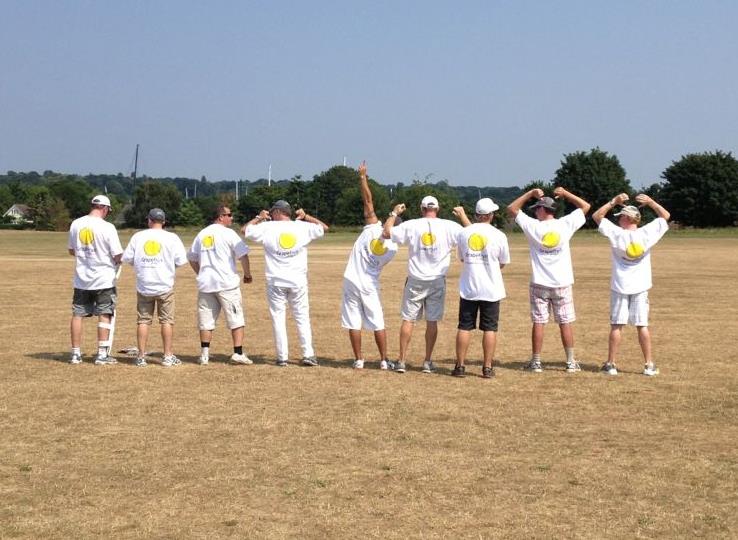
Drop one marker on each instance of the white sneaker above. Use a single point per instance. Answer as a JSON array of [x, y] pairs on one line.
[[75, 359], [428, 367], [650, 370], [170, 361], [105, 360], [203, 360], [359, 364], [573, 367], [384, 365], [140, 362], [609, 368], [242, 359]]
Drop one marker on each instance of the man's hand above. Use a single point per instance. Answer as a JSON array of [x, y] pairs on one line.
[[399, 209], [537, 193], [560, 192], [247, 278], [459, 211], [643, 199], [362, 169], [264, 215], [300, 214]]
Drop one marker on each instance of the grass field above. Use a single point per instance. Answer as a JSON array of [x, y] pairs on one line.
[[257, 451]]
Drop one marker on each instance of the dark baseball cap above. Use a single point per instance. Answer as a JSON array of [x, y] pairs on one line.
[[544, 202], [281, 205], [157, 214]]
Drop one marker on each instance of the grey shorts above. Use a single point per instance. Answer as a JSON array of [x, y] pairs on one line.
[[423, 297], [98, 302]]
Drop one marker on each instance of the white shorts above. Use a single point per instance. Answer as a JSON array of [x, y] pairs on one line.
[[423, 296], [629, 308], [361, 309], [209, 306]]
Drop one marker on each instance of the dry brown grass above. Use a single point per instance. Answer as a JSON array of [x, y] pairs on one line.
[[257, 451]]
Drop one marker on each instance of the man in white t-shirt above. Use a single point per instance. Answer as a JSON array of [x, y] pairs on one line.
[[213, 257], [631, 272], [362, 306], [155, 254], [97, 251], [553, 276], [285, 251], [430, 241], [483, 251]]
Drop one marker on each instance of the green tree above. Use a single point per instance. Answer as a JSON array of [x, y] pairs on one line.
[[75, 192], [152, 195], [702, 189], [47, 211], [326, 189], [413, 194], [189, 215], [595, 176]]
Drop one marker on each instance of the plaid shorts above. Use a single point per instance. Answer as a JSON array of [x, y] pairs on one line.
[[560, 300]]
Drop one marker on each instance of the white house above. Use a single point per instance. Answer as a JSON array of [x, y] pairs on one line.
[[19, 213]]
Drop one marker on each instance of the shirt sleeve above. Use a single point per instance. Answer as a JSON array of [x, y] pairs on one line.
[[238, 246], [180, 255], [255, 232], [504, 256], [454, 229], [194, 253], [314, 231], [575, 220], [115, 247], [129, 252], [607, 228], [399, 234], [655, 230]]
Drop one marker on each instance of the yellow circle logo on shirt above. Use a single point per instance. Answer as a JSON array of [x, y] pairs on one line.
[[208, 242], [86, 236], [477, 242], [377, 248], [428, 239], [287, 240], [634, 250], [152, 248], [551, 239]]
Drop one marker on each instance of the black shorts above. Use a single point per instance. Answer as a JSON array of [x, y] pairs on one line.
[[489, 315], [98, 302]]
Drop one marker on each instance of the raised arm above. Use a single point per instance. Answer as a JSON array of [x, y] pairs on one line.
[[460, 213], [561, 193], [602, 211], [260, 217], [514, 207], [645, 200], [301, 215], [390, 221], [370, 217]]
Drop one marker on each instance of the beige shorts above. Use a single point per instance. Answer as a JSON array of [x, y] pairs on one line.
[[164, 305], [423, 297], [209, 306]]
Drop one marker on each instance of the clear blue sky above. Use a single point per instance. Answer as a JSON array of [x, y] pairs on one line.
[[477, 92]]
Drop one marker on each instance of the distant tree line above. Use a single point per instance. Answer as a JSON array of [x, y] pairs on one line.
[[700, 190]]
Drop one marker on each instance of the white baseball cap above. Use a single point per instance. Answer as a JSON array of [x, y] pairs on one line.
[[429, 201], [486, 206], [101, 200]]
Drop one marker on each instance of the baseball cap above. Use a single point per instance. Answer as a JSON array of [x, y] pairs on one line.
[[157, 214], [631, 211], [281, 205], [101, 200], [429, 201], [545, 202], [485, 206]]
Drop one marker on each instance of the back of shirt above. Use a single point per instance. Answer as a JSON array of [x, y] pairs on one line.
[[368, 256], [548, 240], [95, 242], [285, 250], [630, 252], [482, 248], [429, 241], [217, 248], [155, 254]]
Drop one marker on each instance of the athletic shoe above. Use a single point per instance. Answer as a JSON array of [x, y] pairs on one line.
[[170, 361], [358, 364], [609, 369], [428, 367], [75, 359], [459, 371], [488, 372], [650, 370], [399, 367], [281, 363], [533, 366], [384, 365], [203, 360], [105, 360], [140, 362], [310, 361], [242, 359], [573, 367]]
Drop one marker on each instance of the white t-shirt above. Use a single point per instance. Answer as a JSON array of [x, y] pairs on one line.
[[155, 254], [548, 240], [95, 242], [429, 241], [482, 248], [285, 252], [631, 254], [368, 256], [217, 248]]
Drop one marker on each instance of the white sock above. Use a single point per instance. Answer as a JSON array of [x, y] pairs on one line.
[[75, 350], [205, 351], [569, 354], [102, 351]]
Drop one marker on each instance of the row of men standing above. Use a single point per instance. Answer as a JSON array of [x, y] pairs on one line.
[[482, 249]]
